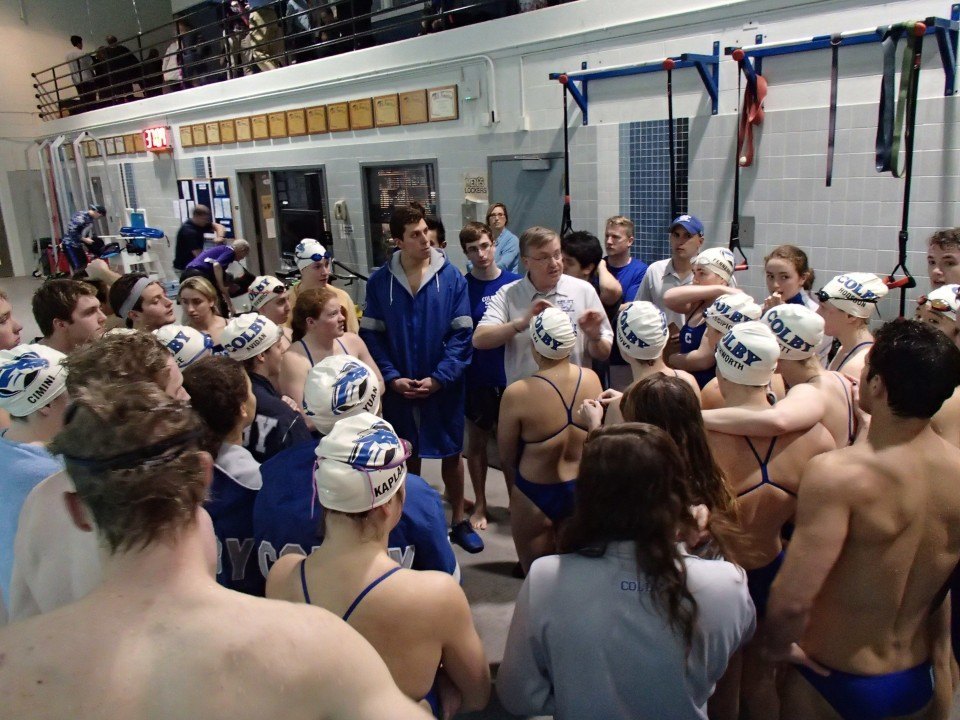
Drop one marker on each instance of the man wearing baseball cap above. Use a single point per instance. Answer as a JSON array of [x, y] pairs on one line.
[[33, 391], [314, 261], [255, 341], [847, 303], [287, 510]]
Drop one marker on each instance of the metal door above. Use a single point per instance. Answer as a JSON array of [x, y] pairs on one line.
[[531, 186]]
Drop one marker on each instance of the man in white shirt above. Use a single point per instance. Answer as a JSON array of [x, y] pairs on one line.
[[81, 71], [510, 310]]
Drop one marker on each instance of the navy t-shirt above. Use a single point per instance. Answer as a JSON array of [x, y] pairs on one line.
[[629, 276], [486, 367]]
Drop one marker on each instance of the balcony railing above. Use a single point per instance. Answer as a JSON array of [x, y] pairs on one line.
[[220, 41]]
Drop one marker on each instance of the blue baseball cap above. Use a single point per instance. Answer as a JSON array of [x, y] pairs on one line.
[[690, 223]]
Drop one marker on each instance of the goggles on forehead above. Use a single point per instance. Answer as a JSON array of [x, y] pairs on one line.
[[275, 290], [316, 257], [823, 296], [937, 304]]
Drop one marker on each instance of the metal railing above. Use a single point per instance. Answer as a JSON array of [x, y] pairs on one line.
[[227, 40]]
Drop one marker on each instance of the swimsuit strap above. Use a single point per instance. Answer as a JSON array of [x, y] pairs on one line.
[[303, 581], [850, 354], [307, 351], [342, 346], [368, 588], [568, 408], [763, 463], [848, 395]]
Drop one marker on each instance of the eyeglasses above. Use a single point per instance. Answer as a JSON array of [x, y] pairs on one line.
[[556, 257], [937, 304], [823, 296]]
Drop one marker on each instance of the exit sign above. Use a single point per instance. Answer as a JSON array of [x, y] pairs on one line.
[[157, 139]]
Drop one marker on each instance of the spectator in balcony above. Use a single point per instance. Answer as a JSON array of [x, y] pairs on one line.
[[358, 13], [81, 72], [301, 35], [172, 67], [121, 68], [236, 26], [265, 39], [152, 73]]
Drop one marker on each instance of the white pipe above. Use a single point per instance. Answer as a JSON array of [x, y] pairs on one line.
[[58, 180], [85, 196], [45, 182], [783, 43], [102, 151]]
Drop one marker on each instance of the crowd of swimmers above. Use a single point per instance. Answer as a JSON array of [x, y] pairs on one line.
[[722, 506]]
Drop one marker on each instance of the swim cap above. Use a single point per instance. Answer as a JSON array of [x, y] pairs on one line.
[[943, 300], [120, 331], [263, 289], [732, 309], [308, 252], [553, 334], [855, 293], [338, 387], [641, 330], [360, 465], [248, 335], [717, 260], [797, 328], [748, 354], [31, 377], [186, 344]]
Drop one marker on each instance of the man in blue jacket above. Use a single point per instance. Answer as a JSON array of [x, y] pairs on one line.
[[418, 328], [286, 514]]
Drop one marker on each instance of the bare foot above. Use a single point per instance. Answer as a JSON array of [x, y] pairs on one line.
[[479, 518]]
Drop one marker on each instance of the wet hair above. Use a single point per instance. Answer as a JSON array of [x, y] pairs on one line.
[[218, 390], [103, 292], [403, 216], [76, 41], [310, 304], [434, 223], [56, 300], [646, 506], [204, 287], [140, 486], [793, 254], [472, 232], [121, 289], [506, 214], [919, 366], [670, 404], [535, 237], [946, 239], [583, 247], [118, 358], [622, 221]]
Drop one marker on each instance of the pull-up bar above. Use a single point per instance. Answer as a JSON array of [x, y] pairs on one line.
[[946, 31], [707, 66]]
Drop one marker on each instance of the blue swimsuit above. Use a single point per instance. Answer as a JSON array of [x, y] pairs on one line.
[[874, 697], [433, 696], [555, 500], [310, 357], [690, 338]]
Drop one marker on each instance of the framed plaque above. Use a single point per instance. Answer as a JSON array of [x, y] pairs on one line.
[[386, 110], [111, 144], [338, 116], [228, 131], [129, 144], [259, 127], [69, 152], [413, 107], [317, 119], [277, 124], [186, 136], [94, 149], [199, 134], [442, 102], [85, 148], [361, 114], [213, 132], [243, 128], [138, 144], [296, 122]]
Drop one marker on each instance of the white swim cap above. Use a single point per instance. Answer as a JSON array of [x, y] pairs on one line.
[[797, 328], [553, 334], [185, 343], [642, 330], [718, 261], [748, 354], [944, 301], [855, 293], [263, 289], [120, 331], [310, 251], [338, 387], [732, 309], [360, 465], [248, 335], [31, 377]]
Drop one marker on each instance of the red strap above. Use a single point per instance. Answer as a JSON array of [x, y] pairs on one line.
[[751, 115]]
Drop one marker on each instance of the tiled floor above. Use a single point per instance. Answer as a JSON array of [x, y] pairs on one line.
[[487, 578]]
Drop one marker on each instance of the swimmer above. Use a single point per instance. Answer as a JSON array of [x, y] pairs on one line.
[[765, 475], [847, 303], [319, 331], [200, 307], [185, 344], [940, 309], [419, 621], [642, 334], [712, 274], [141, 302], [269, 297], [943, 257], [789, 279], [68, 314], [314, 262], [541, 457], [815, 396], [877, 537], [140, 494]]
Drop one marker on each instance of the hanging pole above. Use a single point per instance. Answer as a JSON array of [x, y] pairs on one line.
[[668, 65], [566, 224]]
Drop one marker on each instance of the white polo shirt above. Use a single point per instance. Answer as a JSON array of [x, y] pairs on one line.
[[512, 301], [661, 277]]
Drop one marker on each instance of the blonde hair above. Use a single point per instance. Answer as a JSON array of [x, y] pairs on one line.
[[624, 222], [202, 286]]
